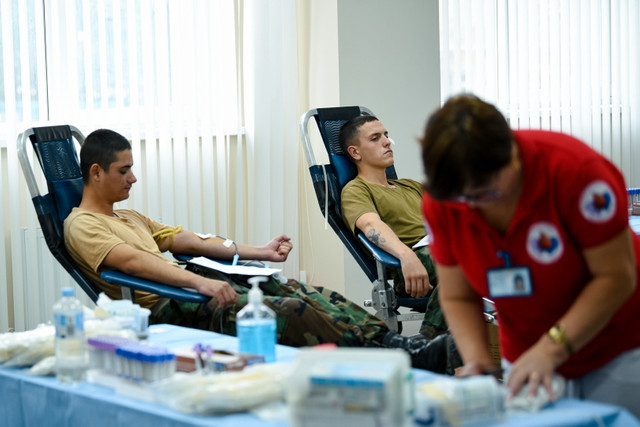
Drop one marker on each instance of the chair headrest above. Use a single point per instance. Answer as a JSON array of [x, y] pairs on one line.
[[344, 168], [58, 158], [57, 153], [330, 121]]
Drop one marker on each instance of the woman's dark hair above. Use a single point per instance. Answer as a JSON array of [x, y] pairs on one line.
[[465, 143], [101, 147]]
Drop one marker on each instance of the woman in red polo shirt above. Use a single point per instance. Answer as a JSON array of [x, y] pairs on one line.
[[536, 221]]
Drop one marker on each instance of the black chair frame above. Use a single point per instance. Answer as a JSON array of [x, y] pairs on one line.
[[55, 150], [328, 181]]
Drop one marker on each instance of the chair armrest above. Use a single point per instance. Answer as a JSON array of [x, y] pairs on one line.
[[181, 257], [380, 255], [181, 294]]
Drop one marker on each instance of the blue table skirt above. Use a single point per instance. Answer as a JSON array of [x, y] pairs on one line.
[[41, 401]]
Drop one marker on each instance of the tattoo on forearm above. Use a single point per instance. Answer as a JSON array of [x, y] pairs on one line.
[[375, 238]]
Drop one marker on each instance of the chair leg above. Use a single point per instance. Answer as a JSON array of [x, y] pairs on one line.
[[383, 301], [392, 322]]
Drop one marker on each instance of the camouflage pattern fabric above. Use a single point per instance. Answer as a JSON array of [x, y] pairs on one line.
[[433, 323], [306, 315]]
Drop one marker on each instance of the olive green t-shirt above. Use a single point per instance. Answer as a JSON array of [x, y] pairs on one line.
[[91, 236], [399, 207]]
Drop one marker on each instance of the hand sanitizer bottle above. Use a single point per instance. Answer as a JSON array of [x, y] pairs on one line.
[[256, 324]]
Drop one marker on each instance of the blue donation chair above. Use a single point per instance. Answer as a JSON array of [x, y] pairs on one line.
[[55, 150], [328, 181]]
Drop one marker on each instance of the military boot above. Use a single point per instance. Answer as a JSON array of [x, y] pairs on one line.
[[432, 355]]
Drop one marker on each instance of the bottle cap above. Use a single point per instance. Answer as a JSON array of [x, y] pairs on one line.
[[68, 292], [255, 294]]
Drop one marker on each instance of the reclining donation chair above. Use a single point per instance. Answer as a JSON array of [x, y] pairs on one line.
[[55, 150], [328, 181]]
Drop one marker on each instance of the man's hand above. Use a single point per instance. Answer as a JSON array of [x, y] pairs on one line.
[[416, 277], [218, 289], [277, 250]]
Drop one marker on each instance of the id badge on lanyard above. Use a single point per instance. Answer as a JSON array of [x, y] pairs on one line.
[[509, 281]]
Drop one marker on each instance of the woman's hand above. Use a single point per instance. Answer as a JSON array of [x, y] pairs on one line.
[[477, 368], [536, 367]]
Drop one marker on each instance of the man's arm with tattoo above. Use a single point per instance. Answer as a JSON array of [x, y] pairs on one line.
[[379, 233], [375, 238]]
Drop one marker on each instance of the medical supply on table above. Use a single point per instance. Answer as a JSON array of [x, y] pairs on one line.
[[225, 392], [350, 387], [524, 401], [256, 324], [209, 360], [129, 367], [128, 314], [26, 348], [102, 353], [472, 401], [144, 362], [35, 348], [72, 359]]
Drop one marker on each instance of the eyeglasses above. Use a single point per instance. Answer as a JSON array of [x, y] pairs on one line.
[[484, 196]]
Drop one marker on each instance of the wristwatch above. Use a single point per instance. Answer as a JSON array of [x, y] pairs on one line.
[[556, 333]]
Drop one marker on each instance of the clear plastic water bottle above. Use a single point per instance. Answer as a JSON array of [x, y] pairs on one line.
[[256, 324], [72, 359]]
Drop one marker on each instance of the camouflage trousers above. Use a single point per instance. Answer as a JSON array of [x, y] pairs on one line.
[[306, 315], [433, 323]]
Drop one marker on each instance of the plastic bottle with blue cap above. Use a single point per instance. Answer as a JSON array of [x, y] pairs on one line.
[[72, 359], [256, 324]]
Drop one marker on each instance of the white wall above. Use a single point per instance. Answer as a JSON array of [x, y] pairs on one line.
[[389, 61]]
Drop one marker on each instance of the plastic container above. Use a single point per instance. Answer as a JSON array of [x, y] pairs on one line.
[[102, 352], [143, 322], [350, 387], [72, 360], [473, 401], [256, 324], [141, 362], [129, 315]]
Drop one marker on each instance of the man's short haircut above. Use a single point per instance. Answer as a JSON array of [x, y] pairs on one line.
[[350, 130], [101, 147]]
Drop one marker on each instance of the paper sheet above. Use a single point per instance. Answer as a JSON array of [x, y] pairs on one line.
[[245, 270], [425, 241]]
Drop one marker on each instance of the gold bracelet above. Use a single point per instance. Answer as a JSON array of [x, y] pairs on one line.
[[556, 333]]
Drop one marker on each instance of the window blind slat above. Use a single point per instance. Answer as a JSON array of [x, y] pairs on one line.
[[40, 62], [566, 65], [104, 47], [25, 62]]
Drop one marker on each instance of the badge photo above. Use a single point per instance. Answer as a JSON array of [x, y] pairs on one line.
[[509, 282]]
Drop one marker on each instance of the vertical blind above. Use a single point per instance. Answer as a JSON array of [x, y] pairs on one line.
[[566, 65], [165, 74], [100, 62]]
